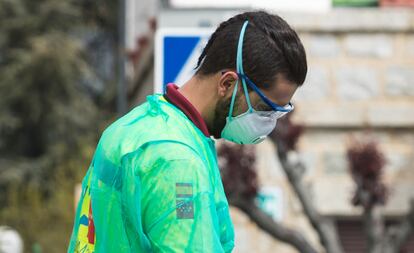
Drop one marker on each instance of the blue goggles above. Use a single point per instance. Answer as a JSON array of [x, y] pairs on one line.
[[240, 72], [275, 107]]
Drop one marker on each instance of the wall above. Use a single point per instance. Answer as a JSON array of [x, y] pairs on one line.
[[361, 80]]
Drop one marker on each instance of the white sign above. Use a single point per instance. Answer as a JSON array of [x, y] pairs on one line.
[[270, 200]]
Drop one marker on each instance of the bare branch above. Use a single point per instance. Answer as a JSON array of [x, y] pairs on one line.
[[398, 235], [374, 229], [241, 186], [266, 223], [143, 69], [324, 226]]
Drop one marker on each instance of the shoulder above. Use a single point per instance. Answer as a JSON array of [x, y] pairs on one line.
[[164, 153], [146, 126]]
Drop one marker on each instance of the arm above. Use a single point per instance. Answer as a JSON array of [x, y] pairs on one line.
[[178, 208]]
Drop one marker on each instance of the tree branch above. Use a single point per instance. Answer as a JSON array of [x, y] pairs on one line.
[[324, 226], [374, 229], [398, 235], [143, 69], [267, 224]]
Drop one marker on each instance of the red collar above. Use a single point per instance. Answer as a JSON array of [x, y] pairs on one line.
[[176, 98]]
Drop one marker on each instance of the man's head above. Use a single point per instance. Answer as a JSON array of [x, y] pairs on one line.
[[273, 58]]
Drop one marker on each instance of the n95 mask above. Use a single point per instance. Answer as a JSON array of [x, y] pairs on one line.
[[250, 127]]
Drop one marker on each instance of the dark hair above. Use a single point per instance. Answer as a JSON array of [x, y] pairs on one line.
[[270, 48]]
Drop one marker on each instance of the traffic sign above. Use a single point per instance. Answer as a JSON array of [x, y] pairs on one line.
[[176, 54]]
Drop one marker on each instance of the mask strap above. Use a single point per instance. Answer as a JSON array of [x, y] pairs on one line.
[[233, 98], [239, 63]]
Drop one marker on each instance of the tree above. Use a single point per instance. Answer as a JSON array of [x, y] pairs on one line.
[[49, 118], [285, 138], [42, 67], [366, 167], [240, 183]]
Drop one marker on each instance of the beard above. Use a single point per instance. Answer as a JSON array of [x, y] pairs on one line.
[[221, 112]]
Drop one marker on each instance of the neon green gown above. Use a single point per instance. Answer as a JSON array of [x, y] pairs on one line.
[[153, 186]]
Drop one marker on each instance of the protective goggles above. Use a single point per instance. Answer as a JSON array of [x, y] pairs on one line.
[[277, 110]]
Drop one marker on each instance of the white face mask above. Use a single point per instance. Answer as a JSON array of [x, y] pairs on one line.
[[248, 128], [251, 127]]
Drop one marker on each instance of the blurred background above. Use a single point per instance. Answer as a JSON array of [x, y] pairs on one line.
[[336, 176]]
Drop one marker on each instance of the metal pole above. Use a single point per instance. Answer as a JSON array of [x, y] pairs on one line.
[[122, 87]]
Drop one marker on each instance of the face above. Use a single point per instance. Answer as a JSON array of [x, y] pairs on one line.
[[281, 92]]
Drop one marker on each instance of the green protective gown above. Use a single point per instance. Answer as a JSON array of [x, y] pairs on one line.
[[153, 186]]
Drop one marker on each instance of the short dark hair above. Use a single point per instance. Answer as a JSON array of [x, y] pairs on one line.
[[270, 48]]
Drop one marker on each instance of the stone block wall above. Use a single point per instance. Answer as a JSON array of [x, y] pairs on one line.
[[360, 82]]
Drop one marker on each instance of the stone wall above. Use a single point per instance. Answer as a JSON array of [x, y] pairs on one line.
[[360, 81]]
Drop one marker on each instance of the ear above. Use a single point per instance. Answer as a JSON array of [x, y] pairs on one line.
[[227, 81]]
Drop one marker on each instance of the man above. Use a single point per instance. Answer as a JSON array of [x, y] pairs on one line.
[[153, 184]]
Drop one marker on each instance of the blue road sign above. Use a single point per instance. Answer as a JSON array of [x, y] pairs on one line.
[[176, 54]]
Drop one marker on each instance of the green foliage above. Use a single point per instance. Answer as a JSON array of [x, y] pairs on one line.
[[43, 220], [101, 13], [355, 3], [41, 68], [49, 124]]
